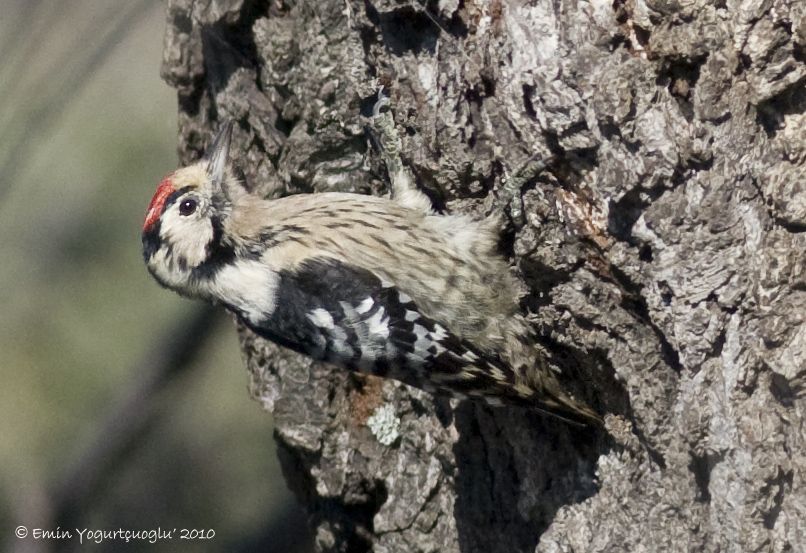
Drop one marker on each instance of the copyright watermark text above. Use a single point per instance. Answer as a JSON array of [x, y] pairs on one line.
[[97, 535]]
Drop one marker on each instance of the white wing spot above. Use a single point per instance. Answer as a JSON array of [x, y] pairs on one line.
[[364, 306], [404, 298], [439, 333], [422, 343], [378, 324], [340, 344], [411, 316], [321, 318]]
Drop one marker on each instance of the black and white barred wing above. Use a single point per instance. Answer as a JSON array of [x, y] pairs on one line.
[[349, 316]]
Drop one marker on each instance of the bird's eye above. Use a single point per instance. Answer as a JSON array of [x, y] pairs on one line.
[[187, 207]]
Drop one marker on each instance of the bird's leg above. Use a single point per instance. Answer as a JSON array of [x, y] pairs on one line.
[[509, 195], [404, 191]]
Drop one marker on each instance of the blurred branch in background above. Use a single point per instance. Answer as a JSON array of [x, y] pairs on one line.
[[70, 73], [33, 27], [25, 13], [127, 425]]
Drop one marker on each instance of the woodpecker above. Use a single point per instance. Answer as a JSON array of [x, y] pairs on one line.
[[384, 286]]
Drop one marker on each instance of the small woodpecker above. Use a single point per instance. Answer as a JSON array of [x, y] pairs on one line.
[[384, 286]]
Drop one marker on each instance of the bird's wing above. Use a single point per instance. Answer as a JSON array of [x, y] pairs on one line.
[[349, 316]]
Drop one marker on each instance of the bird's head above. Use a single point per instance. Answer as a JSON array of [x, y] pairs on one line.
[[183, 236]]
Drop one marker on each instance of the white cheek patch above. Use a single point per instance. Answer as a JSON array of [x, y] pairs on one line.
[[167, 271], [188, 237], [248, 286]]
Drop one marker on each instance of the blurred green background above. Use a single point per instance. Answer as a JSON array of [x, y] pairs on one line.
[[87, 130]]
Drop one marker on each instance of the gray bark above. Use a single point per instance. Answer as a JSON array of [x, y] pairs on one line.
[[657, 154]]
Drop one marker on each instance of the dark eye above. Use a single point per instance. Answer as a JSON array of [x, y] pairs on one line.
[[187, 207]]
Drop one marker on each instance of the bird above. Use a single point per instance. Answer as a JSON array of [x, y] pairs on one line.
[[384, 286]]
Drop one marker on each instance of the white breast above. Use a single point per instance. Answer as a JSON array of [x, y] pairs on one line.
[[249, 286]]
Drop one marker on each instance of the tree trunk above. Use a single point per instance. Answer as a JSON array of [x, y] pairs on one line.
[[656, 154]]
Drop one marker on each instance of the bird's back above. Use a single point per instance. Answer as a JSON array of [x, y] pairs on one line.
[[447, 264]]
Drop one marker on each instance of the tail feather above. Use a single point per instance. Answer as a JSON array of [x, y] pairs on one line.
[[540, 391], [567, 409]]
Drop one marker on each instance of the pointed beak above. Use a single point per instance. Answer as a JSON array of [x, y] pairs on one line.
[[218, 153]]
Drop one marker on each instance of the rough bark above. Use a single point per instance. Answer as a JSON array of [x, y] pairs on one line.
[[660, 243]]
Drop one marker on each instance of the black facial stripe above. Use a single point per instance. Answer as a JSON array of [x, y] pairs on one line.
[[151, 241], [175, 196], [219, 253]]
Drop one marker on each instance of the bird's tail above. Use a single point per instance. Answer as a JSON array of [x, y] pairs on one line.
[[566, 408], [536, 388]]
